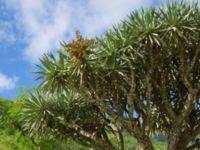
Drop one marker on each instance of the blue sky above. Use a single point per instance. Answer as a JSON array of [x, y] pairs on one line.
[[29, 28]]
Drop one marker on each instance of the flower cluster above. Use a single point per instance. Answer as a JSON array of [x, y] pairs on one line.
[[79, 48]]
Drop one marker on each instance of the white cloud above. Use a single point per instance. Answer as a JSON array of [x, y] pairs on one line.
[[7, 83], [5, 31], [45, 23]]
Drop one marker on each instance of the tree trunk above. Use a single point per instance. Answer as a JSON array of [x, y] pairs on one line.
[[178, 142], [103, 145], [145, 146], [173, 142], [145, 143]]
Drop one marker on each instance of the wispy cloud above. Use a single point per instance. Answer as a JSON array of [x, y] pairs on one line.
[[45, 23], [6, 31], [7, 83]]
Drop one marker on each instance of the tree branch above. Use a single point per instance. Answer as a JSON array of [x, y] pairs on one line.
[[164, 95], [195, 58], [190, 102]]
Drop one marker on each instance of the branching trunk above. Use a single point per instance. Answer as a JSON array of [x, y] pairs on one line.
[[145, 143], [173, 141], [178, 140]]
